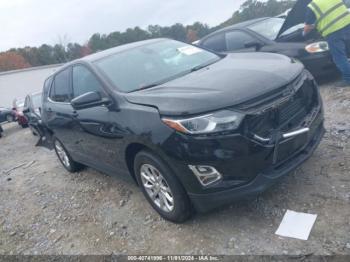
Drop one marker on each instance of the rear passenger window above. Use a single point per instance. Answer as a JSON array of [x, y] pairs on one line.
[[60, 90], [216, 42], [46, 88], [84, 81]]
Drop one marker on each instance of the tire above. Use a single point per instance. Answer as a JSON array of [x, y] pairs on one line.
[[149, 168], [34, 130], [68, 163], [10, 118], [24, 125]]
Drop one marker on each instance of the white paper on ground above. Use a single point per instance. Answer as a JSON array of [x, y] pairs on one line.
[[296, 225]]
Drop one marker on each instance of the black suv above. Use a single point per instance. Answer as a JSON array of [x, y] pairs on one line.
[[195, 130]]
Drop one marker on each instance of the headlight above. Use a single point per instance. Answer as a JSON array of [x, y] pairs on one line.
[[317, 47], [217, 122]]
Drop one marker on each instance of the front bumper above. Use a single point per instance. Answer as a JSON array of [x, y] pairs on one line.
[[206, 202], [248, 167], [320, 65]]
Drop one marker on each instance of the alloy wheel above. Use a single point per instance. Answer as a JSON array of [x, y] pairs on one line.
[[9, 118], [62, 154], [157, 187]]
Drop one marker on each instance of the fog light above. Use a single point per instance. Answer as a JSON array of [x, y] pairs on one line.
[[206, 174]]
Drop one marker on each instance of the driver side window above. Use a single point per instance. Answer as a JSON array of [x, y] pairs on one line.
[[236, 40], [216, 43], [84, 81]]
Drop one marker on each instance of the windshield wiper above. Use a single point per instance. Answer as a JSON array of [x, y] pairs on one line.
[[193, 69], [199, 67], [148, 86]]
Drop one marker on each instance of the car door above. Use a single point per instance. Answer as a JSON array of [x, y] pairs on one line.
[[59, 113], [96, 133]]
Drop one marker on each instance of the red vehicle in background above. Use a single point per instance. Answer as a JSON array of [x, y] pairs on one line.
[[18, 105]]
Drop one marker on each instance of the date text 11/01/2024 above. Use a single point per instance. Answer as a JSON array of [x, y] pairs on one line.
[[174, 258]]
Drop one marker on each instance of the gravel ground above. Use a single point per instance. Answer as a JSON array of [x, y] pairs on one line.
[[46, 210]]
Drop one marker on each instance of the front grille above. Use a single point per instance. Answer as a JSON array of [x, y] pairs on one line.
[[290, 109], [287, 113]]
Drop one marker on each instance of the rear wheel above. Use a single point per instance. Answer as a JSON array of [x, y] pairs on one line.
[[162, 188], [65, 158]]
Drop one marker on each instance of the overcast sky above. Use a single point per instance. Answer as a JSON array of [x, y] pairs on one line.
[[34, 22]]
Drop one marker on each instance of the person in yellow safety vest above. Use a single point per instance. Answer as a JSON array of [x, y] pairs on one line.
[[331, 18]]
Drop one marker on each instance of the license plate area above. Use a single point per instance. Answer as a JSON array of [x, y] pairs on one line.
[[289, 147]]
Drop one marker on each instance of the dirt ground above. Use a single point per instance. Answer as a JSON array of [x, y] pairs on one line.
[[46, 210]]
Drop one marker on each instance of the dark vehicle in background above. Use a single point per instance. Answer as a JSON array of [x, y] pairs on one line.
[[6, 115], [32, 112], [276, 35], [184, 123], [18, 105]]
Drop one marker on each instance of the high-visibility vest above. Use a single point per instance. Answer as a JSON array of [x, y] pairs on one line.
[[332, 15]]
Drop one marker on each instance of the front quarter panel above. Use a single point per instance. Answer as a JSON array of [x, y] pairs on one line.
[[142, 125]]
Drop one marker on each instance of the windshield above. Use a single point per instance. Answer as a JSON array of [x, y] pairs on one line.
[[36, 99], [153, 64], [269, 28]]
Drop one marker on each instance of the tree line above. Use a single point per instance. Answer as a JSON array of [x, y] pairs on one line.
[[18, 58]]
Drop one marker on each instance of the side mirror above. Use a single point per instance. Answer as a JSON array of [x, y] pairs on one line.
[[25, 110], [254, 44], [88, 100]]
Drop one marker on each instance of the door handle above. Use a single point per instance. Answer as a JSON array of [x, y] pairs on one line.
[[49, 109], [75, 114]]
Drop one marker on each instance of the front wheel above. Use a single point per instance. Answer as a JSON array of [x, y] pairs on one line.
[[10, 118], [162, 188], [65, 158]]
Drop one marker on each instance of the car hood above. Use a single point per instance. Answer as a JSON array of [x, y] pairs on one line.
[[235, 79], [296, 16]]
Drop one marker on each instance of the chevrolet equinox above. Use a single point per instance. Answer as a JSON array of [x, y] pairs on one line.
[[195, 130]]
